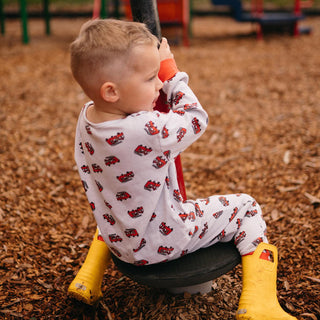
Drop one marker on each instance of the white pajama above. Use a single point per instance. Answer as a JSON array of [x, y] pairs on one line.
[[128, 171]]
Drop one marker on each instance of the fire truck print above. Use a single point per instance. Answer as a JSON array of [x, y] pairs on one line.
[[181, 133], [111, 160], [152, 185], [206, 201], [159, 162], [189, 106], [141, 150], [92, 206], [167, 153], [131, 233], [109, 218], [196, 125], [165, 250], [153, 216], [136, 212], [89, 148], [99, 185], [239, 222], [178, 97], [122, 195], [81, 147], [179, 112], [183, 216], [221, 235], [165, 132], [240, 237], [141, 245], [140, 263], [88, 129], [234, 213], [224, 201], [114, 140], [199, 212], [251, 213], [257, 241], [192, 233], [114, 238], [183, 252], [204, 230], [85, 169], [108, 205], [177, 195], [192, 216], [96, 168], [167, 181], [164, 229], [218, 214], [151, 129], [125, 177]]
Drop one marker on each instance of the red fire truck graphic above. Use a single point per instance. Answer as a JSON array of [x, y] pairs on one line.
[[192, 216], [167, 180], [179, 112], [116, 252], [111, 160], [141, 245], [165, 250], [196, 125], [125, 177], [177, 195], [164, 229], [92, 206], [153, 216], [165, 132], [181, 133], [108, 205], [183, 216], [151, 129], [85, 169], [199, 212], [114, 140], [122, 195], [251, 213], [109, 218], [141, 150], [99, 185], [96, 168], [136, 212], [114, 238], [131, 232], [159, 162], [183, 252], [257, 241], [239, 222], [192, 233], [234, 213], [140, 263], [189, 106], [218, 214], [240, 237], [178, 97], [88, 129], [89, 148], [204, 231], [152, 185], [84, 185], [224, 201]]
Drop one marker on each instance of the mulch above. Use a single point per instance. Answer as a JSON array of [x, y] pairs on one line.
[[263, 139]]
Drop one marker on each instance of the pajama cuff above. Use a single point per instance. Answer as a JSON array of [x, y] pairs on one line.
[[168, 69]]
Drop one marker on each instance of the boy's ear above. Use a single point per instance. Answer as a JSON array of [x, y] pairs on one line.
[[109, 92]]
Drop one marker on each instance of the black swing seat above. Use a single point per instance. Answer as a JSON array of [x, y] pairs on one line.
[[192, 269]]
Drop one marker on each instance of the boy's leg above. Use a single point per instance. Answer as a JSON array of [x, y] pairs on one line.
[[86, 286], [258, 299]]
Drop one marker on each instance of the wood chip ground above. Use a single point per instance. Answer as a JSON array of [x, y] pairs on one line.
[[263, 99]]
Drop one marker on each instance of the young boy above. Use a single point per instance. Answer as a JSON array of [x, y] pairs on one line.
[[125, 152]]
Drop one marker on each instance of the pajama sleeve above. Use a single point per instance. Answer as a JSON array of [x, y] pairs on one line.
[[186, 120]]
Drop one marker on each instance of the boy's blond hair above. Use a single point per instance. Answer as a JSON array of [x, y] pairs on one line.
[[100, 44]]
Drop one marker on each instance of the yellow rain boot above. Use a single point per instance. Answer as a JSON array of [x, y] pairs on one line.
[[86, 286], [258, 299]]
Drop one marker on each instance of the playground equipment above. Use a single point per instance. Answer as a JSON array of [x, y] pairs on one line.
[[276, 21], [24, 18], [193, 272]]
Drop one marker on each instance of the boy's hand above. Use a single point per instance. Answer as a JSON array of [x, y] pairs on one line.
[[164, 50]]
